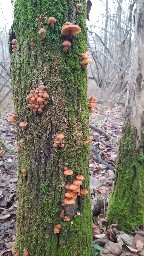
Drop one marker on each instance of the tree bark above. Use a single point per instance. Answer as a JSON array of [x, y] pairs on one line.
[[42, 191], [126, 203]]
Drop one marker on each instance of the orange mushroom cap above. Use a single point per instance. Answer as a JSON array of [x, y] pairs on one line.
[[14, 46], [60, 136], [69, 201], [42, 31], [67, 186], [68, 172], [51, 21], [41, 87], [69, 194], [39, 100], [73, 187], [45, 95], [66, 43], [24, 171], [23, 124], [11, 119], [84, 192], [86, 61], [17, 254], [14, 41], [70, 29], [92, 99], [67, 218], [77, 182], [25, 253], [39, 110], [80, 177], [91, 105], [85, 55], [90, 138], [57, 228]]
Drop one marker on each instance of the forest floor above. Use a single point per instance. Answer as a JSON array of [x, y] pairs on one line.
[[108, 119]]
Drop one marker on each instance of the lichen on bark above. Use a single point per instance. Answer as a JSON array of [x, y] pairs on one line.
[[41, 192]]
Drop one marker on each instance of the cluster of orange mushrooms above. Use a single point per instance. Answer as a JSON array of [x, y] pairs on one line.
[[73, 190], [91, 104], [37, 98], [85, 60], [58, 142]]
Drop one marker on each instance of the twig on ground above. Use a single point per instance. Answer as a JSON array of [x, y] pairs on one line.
[[96, 157], [98, 130]]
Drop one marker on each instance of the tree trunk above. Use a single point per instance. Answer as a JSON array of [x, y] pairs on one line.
[[127, 201], [41, 192], [104, 66]]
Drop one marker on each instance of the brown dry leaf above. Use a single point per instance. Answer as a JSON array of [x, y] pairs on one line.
[[112, 248], [139, 245], [9, 245], [2, 153], [96, 229]]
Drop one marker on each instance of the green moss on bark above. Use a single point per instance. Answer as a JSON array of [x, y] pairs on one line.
[[41, 193], [126, 207]]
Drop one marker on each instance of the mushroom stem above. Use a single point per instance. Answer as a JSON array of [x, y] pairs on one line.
[[52, 25], [65, 48]]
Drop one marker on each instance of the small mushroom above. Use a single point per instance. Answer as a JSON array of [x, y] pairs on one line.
[[73, 187], [11, 119], [17, 254], [14, 41], [69, 194], [67, 218], [84, 192], [80, 177], [69, 201], [66, 45], [67, 186], [42, 32], [70, 29], [85, 62], [51, 21], [85, 55], [25, 253], [24, 171], [67, 172], [60, 136], [23, 124], [89, 138], [77, 182], [57, 228]]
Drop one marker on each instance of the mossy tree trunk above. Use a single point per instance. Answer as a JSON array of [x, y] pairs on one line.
[[41, 192], [126, 205]]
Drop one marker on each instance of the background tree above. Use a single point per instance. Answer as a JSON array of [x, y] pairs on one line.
[[41, 186], [126, 204]]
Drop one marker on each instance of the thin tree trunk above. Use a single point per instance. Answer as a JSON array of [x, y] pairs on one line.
[[41, 193], [105, 47]]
